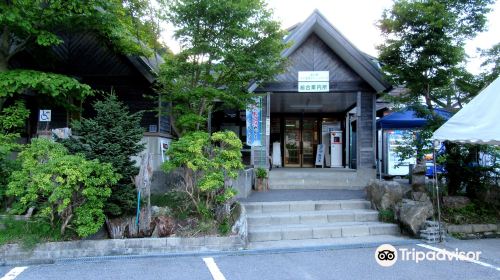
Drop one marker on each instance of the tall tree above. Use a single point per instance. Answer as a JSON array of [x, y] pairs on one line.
[[424, 45], [226, 45]]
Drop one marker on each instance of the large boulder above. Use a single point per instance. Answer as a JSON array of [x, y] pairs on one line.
[[412, 214], [455, 202], [418, 178], [384, 194]]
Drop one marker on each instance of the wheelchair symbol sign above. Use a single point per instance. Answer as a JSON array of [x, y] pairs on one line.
[[45, 115]]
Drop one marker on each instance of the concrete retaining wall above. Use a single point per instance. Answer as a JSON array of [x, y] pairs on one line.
[[474, 229], [49, 252]]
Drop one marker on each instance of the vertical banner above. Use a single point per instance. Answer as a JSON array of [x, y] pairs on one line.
[[254, 122]]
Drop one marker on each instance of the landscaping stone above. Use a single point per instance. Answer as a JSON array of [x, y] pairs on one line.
[[459, 228], [384, 194], [413, 214], [164, 226], [418, 178], [157, 211], [455, 202]]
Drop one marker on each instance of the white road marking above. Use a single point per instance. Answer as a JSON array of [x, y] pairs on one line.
[[214, 269], [460, 257], [13, 273]]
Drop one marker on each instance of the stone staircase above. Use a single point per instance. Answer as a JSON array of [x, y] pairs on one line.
[[313, 220], [318, 178]]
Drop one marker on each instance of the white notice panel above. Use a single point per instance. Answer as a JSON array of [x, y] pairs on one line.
[[314, 81]]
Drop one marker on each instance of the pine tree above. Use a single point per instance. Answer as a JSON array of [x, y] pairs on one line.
[[112, 136]]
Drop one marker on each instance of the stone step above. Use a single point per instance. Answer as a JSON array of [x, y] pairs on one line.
[[311, 217], [317, 231], [301, 206]]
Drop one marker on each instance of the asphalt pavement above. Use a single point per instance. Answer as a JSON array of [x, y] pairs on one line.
[[346, 263]]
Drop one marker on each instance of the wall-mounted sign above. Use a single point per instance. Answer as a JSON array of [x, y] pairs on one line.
[[45, 116], [314, 81]]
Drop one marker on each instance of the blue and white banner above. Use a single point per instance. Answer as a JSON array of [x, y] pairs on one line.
[[254, 122]]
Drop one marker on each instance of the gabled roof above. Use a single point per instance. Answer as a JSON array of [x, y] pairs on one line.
[[365, 66]]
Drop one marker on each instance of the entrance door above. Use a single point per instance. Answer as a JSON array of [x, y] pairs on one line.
[[300, 142]]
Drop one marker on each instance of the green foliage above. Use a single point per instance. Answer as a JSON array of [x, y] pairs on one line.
[[112, 136], [12, 118], [64, 189], [55, 85], [464, 173], [425, 44], [27, 233], [226, 45], [386, 216], [472, 213], [39, 22], [207, 162], [261, 173]]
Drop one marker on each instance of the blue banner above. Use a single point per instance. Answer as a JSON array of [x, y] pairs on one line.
[[254, 123]]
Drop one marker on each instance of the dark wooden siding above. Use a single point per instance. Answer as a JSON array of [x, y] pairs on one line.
[[315, 55], [365, 131]]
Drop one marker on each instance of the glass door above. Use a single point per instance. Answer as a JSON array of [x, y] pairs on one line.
[[300, 142], [292, 137], [309, 141]]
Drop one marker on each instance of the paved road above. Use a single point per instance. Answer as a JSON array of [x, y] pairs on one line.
[[355, 263]]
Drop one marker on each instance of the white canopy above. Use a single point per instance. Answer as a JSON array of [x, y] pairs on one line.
[[477, 122]]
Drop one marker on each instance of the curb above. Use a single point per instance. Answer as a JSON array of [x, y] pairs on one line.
[[222, 252]]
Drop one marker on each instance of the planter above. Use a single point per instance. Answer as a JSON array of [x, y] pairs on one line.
[[262, 184]]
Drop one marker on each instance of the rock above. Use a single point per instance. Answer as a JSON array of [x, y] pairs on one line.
[[29, 213], [413, 214], [420, 196], [455, 202], [164, 226], [160, 211], [384, 194], [418, 178]]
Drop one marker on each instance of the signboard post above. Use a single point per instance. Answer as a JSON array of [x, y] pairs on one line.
[[314, 81], [320, 155]]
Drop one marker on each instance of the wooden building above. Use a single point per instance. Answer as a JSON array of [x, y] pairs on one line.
[[299, 112]]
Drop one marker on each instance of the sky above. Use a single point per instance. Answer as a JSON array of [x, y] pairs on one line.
[[356, 20]]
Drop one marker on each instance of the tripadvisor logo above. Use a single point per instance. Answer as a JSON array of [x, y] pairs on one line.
[[386, 255]]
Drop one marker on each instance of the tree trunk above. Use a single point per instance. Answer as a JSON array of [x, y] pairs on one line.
[[4, 64]]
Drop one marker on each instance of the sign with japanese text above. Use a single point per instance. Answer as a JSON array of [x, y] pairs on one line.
[[314, 81], [254, 122]]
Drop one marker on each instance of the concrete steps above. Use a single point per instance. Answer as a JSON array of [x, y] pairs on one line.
[[327, 178], [302, 220]]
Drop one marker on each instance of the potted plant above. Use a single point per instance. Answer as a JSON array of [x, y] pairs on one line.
[[261, 179]]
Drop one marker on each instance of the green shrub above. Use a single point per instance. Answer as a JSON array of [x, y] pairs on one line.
[[12, 118], [472, 213], [65, 190], [178, 201], [112, 136], [27, 233], [386, 216], [207, 163], [261, 173]]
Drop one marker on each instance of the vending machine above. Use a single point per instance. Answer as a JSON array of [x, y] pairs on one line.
[[336, 148]]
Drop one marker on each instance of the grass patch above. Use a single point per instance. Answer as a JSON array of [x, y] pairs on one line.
[[472, 213], [27, 233]]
